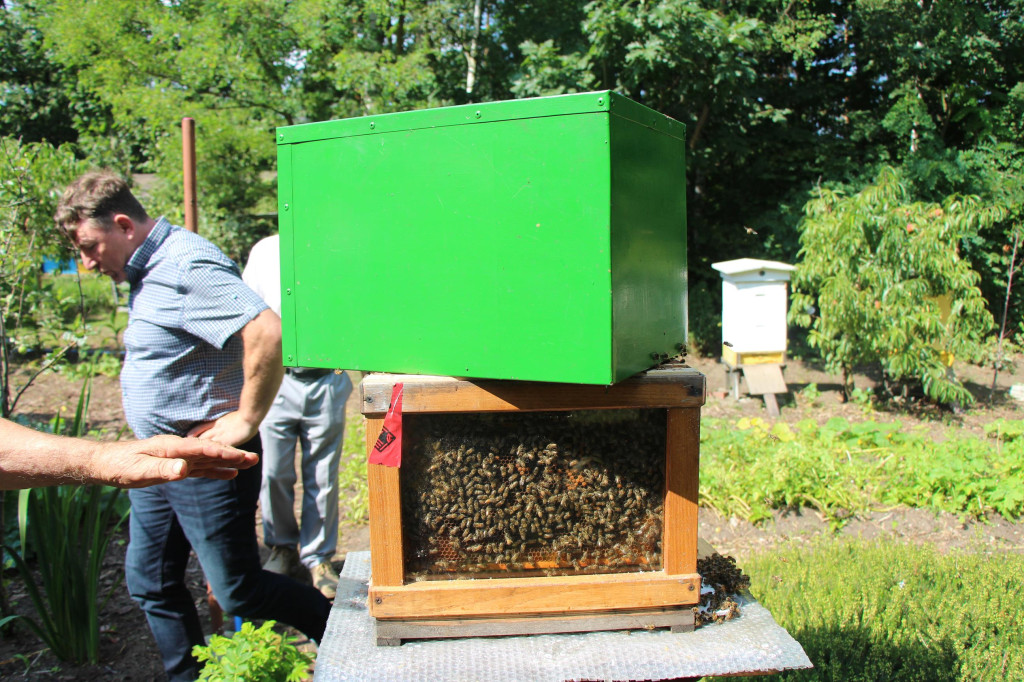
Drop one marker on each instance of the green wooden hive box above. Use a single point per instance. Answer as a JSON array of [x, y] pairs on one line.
[[540, 239]]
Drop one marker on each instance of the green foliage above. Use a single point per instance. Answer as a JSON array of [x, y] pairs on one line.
[[42, 313], [242, 68], [254, 655], [32, 176], [878, 268], [890, 611], [750, 468], [548, 72], [995, 252], [67, 528], [352, 485], [229, 64], [810, 393], [91, 291], [704, 317], [31, 179], [864, 398], [778, 98], [105, 364], [1005, 430], [78, 310], [41, 100]]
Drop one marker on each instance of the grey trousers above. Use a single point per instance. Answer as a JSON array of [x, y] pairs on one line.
[[310, 412]]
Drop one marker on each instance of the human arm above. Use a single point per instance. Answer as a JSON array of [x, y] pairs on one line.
[[262, 370], [29, 459]]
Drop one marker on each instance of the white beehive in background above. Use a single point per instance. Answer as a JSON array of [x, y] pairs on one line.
[[754, 306]]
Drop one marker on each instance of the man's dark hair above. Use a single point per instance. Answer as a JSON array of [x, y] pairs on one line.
[[95, 197]]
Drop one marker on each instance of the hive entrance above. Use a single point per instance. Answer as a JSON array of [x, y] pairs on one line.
[[542, 493]]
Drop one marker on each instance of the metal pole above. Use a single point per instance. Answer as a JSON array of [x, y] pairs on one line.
[[188, 162], [188, 154]]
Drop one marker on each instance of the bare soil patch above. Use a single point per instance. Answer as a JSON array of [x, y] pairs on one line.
[[128, 651], [946, 532]]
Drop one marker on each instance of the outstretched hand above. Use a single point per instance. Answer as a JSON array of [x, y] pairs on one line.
[[136, 464]]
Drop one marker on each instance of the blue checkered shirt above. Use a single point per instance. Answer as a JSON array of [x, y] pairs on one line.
[[183, 361]]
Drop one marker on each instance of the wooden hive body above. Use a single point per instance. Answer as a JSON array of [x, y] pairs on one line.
[[506, 592]]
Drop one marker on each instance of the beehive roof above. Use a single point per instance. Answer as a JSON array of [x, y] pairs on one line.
[[740, 265]]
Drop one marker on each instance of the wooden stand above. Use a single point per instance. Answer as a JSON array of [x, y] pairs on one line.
[[763, 374], [528, 605]]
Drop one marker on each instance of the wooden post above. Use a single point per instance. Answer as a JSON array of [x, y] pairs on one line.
[[682, 483], [188, 154], [387, 565]]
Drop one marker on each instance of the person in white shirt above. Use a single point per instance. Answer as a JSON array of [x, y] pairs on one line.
[[309, 409]]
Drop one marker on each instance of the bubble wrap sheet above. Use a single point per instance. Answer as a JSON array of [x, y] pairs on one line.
[[750, 643]]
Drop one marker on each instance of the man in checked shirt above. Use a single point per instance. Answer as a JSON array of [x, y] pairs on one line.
[[203, 358]]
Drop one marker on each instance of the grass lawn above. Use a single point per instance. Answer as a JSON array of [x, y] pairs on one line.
[[890, 611]]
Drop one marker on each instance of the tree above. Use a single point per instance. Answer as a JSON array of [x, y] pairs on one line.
[[779, 97], [231, 64], [35, 92], [995, 252], [243, 67], [881, 281]]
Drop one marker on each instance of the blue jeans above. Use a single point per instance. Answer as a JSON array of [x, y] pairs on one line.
[[217, 519]]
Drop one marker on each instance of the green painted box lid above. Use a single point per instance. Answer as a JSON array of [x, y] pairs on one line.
[[540, 239]]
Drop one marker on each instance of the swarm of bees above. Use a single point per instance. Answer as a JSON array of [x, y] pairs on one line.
[[533, 493], [720, 579]]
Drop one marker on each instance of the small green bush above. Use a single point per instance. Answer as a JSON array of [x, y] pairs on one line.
[[89, 294], [811, 393], [1005, 429], [106, 364], [254, 655], [888, 611], [881, 280]]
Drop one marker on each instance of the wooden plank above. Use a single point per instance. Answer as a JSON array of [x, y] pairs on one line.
[[543, 595], [763, 379], [387, 566], [682, 483], [676, 386], [388, 631]]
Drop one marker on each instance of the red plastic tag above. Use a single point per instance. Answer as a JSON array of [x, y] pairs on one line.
[[388, 448]]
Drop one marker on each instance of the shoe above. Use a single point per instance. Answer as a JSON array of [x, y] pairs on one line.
[[325, 579], [283, 560]]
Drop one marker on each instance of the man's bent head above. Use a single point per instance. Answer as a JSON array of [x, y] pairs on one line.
[[96, 197], [102, 218]]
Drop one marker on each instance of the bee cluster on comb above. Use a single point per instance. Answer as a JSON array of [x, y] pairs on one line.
[[544, 493]]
